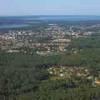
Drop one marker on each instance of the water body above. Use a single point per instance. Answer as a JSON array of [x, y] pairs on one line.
[[70, 18], [52, 17], [12, 26], [24, 21]]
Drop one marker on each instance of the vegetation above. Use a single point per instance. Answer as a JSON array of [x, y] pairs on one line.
[[25, 76]]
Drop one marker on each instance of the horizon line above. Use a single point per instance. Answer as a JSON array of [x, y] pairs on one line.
[[45, 15]]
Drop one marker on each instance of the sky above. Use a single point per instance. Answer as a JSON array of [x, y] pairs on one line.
[[49, 7]]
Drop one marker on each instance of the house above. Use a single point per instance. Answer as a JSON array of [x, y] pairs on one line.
[[97, 82]]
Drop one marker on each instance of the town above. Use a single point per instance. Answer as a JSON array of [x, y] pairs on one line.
[[54, 38]]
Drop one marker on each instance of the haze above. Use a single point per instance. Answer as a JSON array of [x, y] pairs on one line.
[[49, 7]]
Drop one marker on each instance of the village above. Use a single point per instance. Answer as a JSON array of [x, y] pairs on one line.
[[73, 72]]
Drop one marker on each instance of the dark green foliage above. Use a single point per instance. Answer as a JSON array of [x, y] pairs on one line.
[[25, 76]]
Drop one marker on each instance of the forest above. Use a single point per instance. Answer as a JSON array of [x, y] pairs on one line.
[[25, 76]]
